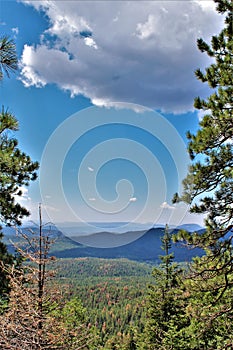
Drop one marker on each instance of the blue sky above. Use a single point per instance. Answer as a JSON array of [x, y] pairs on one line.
[[132, 64]]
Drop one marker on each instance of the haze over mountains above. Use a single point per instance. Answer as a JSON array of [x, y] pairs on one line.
[[119, 227], [142, 245]]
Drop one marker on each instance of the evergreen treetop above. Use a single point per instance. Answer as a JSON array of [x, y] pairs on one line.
[[211, 148]]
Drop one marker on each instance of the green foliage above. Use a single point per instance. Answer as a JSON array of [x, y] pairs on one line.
[[113, 293], [209, 305], [165, 305], [191, 308], [73, 313], [211, 174], [16, 170], [94, 267], [8, 57], [5, 258], [72, 323], [209, 187]]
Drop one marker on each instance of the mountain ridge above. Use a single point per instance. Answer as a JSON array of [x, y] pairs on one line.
[[147, 247]]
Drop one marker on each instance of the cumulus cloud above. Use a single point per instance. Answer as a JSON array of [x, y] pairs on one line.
[[147, 29], [133, 199], [90, 42], [206, 4], [90, 168], [138, 52]]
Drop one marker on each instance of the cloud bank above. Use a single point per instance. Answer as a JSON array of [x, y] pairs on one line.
[[140, 52]]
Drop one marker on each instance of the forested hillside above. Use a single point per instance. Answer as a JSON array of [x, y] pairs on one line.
[[113, 293]]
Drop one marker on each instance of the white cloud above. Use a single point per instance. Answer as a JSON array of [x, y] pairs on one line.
[[15, 31], [206, 5], [92, 199], [143, 52], [48, 62], [90, 169], [147, 29], [24, 196], [201, 113], [165, 205], [133, 199], [120, 105], [90, 42]]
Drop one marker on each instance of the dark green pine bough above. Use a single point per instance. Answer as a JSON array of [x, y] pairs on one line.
[[194, 309], [209, 188], [211, 178], [16, 168], [165, 307]]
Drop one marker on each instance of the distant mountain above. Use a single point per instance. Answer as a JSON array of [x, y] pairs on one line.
[[144, 247], [81, 229]]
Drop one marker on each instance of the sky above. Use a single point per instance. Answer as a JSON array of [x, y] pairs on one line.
[[104, 96]]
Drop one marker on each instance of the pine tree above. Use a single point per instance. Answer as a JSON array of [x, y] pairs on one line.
[[165, 307], [16, 168], [208, 187], [5, 259], [208, 306], [211, 148]]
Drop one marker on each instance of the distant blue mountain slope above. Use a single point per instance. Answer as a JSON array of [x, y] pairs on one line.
[[145, 248]]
